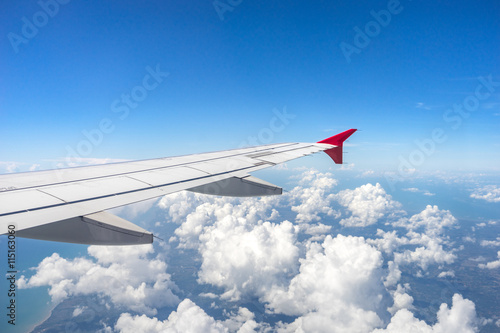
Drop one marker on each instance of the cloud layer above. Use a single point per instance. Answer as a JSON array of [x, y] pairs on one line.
[[124, 274], [490, 193], [294, 267]]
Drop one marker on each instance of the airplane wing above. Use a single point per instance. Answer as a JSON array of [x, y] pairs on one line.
[[69, 205]]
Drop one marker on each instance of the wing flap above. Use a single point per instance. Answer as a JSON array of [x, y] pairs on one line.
[[100, 228], [247, 186]]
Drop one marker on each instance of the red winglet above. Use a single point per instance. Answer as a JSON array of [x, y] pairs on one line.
[[337, 140]]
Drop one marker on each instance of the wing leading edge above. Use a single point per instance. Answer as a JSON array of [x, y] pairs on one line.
[[69, 205]]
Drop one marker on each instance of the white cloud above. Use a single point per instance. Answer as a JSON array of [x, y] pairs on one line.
[[394, 274], [486, 243], [461, 317], [247, 259], [194, 212], [446, 274], [401, 300], [178, 205], [389, 241], [242, 322], [188, 318], [313, 199], [315, 229], [417, 190], [339, 288], [367, 205], [124, 274], [431, 223], [469, 239], [79, 310], [10, 167], [431, 219], [490, 193], [431, 253], [491, 264]]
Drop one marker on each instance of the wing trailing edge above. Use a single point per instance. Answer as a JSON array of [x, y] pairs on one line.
[[100, 228], [247, 186]]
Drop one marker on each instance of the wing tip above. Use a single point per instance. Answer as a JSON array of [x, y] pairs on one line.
[[338, 139], [336, 153]]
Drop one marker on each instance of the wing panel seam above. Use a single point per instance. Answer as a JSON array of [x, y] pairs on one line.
[[122, 193], [145, 170]]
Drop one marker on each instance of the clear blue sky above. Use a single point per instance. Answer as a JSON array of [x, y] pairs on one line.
[[225, 77]]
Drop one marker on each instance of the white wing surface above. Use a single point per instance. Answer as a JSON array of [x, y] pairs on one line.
[[68, 205]]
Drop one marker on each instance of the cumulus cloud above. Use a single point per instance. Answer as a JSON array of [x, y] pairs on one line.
[[423, 256], [247, 259], [311, 198], [432, 220], [367, 204], [338, 289], [446, 274], [388, 241], [425, 232], [124, 274], [490, 193], [187, 318], [194, 212], [402, 300], [461, 317], [493, 243], [394, 274], [491, 264]]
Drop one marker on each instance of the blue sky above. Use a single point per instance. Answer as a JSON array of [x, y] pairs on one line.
[[225, 78]]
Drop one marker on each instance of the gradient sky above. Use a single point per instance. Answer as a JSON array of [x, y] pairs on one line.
[[226, 76]]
